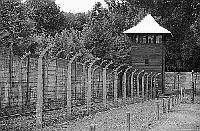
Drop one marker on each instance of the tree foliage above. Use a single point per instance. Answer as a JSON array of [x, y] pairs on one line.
[[35, 24], [47, 16], [17, 28]]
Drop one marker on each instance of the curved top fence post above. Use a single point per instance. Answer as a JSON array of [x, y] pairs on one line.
[[108, 65], [125, 83], [39, 104], [120, 67], [69, 83], [132, 82], [74, 57], [138, 83], [89, 83], [20, 78]]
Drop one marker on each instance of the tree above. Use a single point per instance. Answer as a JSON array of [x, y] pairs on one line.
[[103, 36], [76, 21], [47, 16], [16, 25]]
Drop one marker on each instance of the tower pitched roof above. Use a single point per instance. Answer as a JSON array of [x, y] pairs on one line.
[[147, 25]]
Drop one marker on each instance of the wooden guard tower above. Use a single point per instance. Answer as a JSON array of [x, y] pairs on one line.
[[148, 51]]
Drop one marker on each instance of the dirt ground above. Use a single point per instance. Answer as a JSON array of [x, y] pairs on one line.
[[183, 117]]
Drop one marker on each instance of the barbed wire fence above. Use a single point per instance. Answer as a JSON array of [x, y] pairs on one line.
[[41, 85]]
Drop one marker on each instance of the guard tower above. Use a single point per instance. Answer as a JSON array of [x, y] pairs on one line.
[[148, 51]]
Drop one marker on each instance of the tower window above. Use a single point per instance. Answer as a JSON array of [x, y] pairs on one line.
[[159, 39], [146, 61]]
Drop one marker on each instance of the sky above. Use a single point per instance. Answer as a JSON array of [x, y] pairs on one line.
[[76, 6]]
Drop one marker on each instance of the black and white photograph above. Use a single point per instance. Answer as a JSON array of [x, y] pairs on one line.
[[99, 65]]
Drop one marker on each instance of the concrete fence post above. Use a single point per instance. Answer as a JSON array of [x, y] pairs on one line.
[[157, 110], [164, 107], [115, 86], [146, 118], [116, 82], [125, 84], [138, 83], [143, 86], [155, 82], [89, 90], [104, 87], [128, 121], [39, 100], [92, 127], [104, 84], [69, 83], [85, 77], [181, 95], [132, 83], [20, 101], [148, 86], [169, 104]]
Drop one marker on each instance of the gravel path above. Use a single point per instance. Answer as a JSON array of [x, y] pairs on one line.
[[184, 117]]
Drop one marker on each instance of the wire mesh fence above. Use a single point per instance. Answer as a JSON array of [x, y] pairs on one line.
[[74, 87]]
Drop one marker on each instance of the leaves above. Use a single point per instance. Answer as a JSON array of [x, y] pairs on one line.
[[46, 15], [16, 26]]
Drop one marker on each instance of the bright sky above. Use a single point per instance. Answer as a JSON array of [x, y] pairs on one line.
[[76, 6]]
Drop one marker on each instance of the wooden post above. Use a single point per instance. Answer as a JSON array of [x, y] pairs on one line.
[[128, 121]]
